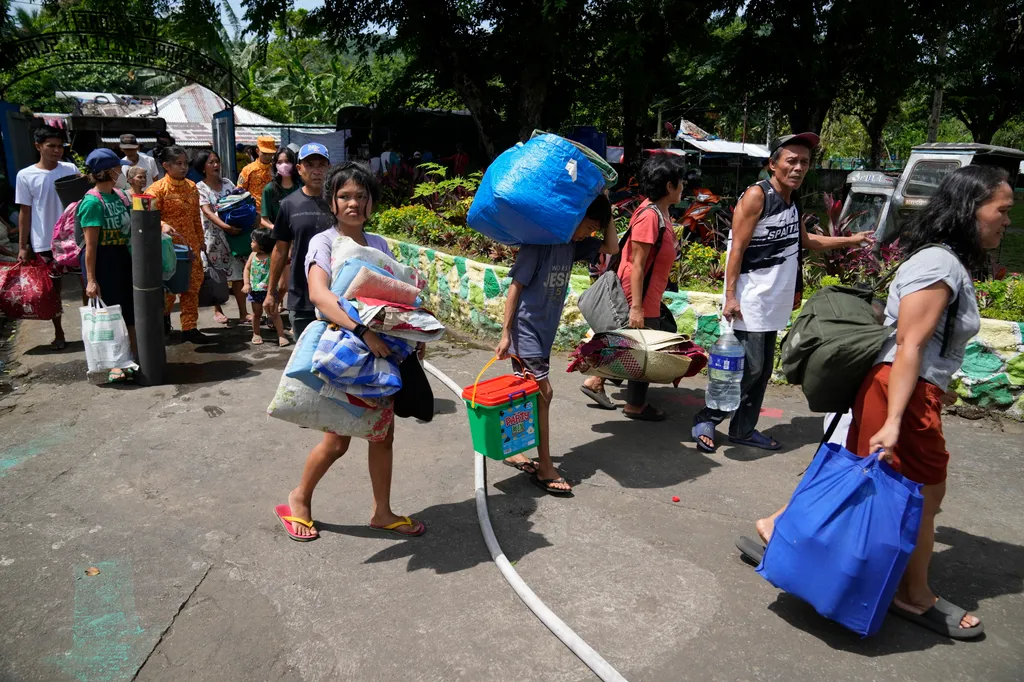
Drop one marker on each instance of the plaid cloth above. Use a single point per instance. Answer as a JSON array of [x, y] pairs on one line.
[[345, 363]]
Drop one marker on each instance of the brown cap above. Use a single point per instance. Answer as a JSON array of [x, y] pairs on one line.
[[129, 141]]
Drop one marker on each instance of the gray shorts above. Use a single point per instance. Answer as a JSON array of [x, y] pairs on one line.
[[538, 368]]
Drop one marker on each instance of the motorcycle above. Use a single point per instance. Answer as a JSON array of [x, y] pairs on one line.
[[705, 220]]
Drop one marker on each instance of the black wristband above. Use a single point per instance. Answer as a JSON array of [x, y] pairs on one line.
[[360, 330]]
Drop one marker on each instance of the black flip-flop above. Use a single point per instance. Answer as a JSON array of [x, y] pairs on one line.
[[522, 466], [943, 618], [649, 414], [752, 550], [757, 440], [545, 484], [599, 397]]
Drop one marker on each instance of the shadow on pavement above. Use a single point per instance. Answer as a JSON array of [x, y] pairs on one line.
[[973, 569], [70, 347], [793, 435], [897, 636], [636, 455], [207, 372], [453, 541], [444, 406]]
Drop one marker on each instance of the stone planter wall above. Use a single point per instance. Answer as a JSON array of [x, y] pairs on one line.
[[471, 295]]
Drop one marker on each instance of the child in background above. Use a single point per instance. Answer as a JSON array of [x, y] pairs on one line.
[[540, 281], [255, 278]]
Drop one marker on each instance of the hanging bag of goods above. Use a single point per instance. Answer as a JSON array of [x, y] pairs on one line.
[[536, 193]]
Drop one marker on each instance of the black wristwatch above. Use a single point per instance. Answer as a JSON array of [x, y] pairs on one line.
[[360, 329]]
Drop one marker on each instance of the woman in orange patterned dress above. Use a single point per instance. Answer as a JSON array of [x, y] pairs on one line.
[[178, 200]]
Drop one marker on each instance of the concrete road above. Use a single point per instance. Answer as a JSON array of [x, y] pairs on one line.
[[169, 491]]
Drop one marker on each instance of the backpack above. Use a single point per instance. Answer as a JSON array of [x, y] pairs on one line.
[[68, 238], [603, 305], [835, 339]]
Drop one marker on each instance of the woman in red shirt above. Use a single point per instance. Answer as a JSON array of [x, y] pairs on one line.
[[650, 252]]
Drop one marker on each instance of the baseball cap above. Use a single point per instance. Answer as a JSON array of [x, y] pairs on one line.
[[104, 159], [129, 141], [809, 140], [313, 149], [266, 144]]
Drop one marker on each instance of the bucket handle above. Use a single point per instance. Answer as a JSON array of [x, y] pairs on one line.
[[491, 362], [514, 395]]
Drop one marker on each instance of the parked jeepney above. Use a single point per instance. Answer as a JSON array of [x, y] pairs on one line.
[[882, 202]]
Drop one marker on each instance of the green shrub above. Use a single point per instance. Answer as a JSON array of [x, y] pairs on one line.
[[1001, 299]]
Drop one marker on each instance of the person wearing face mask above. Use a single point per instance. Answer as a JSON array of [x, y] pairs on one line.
[[303, 215], [215, 231], [761, 272], [178, 201], [285, 181], [258, 174]]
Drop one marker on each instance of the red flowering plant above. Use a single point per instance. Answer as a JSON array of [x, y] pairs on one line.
[[848, 266]]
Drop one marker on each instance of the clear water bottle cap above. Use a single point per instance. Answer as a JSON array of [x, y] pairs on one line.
[[724, 326]]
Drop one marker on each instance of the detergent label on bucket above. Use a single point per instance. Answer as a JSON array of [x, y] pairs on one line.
[[518, 428]]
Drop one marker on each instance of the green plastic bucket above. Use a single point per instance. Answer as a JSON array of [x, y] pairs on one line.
[[503, 419]]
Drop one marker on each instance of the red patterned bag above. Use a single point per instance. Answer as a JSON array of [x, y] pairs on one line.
[[27, 291]]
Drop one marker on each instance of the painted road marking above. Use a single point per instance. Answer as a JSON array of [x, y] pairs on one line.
[[107, 637], [12, 457]]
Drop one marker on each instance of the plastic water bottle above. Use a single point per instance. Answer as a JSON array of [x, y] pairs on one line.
[[725, 371]]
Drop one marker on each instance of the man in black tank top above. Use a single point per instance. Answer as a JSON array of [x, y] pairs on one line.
[[762, 271]]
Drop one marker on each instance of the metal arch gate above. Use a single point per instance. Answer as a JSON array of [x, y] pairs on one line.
[[88, 37]]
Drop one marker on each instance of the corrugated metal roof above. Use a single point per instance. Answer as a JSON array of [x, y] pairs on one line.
[[189, 112], [196, 104]]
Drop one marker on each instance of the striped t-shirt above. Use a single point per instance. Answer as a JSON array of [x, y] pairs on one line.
[[767, 281]]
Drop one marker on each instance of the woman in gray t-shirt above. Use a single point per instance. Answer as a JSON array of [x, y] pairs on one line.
[[898, 411]]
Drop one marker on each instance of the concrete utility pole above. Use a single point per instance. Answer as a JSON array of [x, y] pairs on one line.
[[148, 285]]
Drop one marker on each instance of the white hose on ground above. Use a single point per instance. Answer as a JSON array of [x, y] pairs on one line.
[[584, 651]]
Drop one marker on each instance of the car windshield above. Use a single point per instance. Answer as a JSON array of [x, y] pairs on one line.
[[865, 211], [926, 175]]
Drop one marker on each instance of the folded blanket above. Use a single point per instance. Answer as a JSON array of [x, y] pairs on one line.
[[370, 284]]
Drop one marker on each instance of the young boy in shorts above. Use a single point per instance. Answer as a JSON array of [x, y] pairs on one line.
[[540, 280]]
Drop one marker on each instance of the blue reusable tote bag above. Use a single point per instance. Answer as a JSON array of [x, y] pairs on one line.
[[535, 193], [845, 539]]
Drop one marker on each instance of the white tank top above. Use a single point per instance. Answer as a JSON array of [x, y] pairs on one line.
[[767, 281]]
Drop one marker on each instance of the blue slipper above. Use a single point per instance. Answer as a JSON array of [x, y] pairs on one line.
[[706, 430], [757, 440]]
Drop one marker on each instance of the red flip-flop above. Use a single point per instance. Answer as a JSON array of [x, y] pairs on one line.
[[284, 515]]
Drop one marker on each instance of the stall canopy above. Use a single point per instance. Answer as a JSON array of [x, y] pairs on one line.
[[189, 112], [707, 143]]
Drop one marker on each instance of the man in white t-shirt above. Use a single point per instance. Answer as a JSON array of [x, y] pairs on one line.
[[41, 207], [385, 159], [761, 275], [130, 147]]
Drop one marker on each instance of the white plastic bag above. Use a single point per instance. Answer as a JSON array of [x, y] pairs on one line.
[[106, 337]]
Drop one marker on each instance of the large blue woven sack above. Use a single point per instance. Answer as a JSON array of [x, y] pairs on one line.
[[535, 193], [845, 539]]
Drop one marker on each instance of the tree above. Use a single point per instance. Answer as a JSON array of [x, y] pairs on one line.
[[512, 64], [885, 69], [796, 53], [986, 65]]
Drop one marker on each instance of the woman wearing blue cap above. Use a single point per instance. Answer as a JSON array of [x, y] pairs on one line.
[[105, 217]]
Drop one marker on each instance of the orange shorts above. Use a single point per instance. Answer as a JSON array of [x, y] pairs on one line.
[[920, 453]]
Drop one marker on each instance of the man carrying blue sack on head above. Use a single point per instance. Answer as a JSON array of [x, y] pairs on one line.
[[533, 311]]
